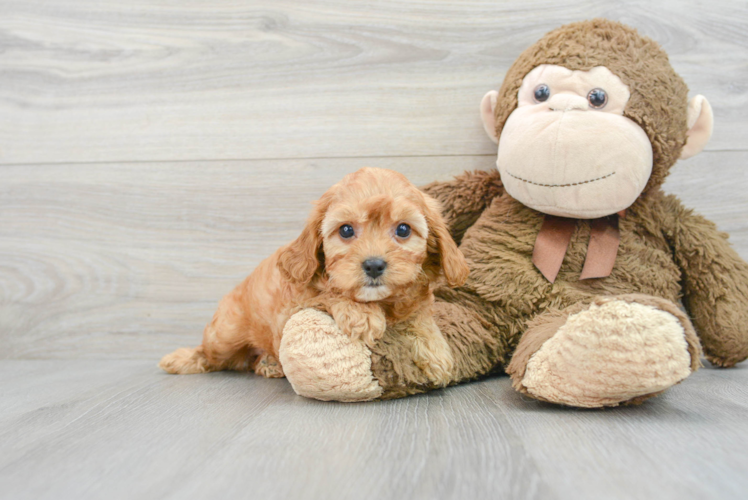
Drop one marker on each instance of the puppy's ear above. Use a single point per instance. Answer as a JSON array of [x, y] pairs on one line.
[[302, 258], [450, 257]]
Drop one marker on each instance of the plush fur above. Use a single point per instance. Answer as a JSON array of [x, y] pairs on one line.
[[508, 314], [316, 356], [637, 60], [325, 270]]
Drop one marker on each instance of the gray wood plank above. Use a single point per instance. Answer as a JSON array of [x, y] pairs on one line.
[[689, 443], [122, 429], [103, 80], [130, 260], [123, 219]]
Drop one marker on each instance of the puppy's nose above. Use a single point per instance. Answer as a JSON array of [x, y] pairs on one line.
[[374, 267]]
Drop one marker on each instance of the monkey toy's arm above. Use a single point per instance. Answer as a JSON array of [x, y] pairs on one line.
[[465, 197], [715, 283]]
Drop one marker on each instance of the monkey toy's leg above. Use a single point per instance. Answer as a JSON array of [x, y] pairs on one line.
[[323, 363], [616, 350], [419, 341]]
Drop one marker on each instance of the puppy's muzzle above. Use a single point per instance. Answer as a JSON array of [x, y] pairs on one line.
[[374, 267]]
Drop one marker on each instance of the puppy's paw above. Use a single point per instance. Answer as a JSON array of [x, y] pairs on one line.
[[360, 321], [434, 357], [185, 361], [376, 324], [269, 367]]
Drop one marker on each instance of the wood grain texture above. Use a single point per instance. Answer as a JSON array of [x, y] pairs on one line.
[[153, 152], [143, 80], [121, 429], [130, 260], [96, 258]]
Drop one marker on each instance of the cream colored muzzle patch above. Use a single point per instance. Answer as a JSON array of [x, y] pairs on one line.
[[609, 354], [563, 153], [574, 163]]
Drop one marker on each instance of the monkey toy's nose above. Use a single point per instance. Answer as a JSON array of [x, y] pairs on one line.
[[567, 102], [374, 267]]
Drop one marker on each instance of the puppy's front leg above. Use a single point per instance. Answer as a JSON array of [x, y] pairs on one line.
[[431, 352], [360, 320]]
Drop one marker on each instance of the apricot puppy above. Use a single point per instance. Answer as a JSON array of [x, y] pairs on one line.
[[370, 256]]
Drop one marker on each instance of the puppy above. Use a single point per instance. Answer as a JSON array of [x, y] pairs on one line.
[[370, 255]]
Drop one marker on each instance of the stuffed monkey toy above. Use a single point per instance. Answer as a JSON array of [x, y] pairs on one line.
[[578, 260]]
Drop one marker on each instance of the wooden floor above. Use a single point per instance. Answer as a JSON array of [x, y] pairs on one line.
[[153, 152]]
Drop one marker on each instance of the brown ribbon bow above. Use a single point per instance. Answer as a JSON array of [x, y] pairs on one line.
[[555, 235]]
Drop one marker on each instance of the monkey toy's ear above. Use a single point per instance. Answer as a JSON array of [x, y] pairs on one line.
[[487, 107], [700, 123]]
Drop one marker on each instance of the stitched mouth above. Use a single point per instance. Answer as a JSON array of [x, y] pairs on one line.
[[561, 185]]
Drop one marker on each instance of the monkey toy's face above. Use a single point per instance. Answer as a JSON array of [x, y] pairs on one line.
[[567, 149]]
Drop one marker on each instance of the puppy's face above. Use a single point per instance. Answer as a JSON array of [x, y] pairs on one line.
[[374, 234], [374, 245]]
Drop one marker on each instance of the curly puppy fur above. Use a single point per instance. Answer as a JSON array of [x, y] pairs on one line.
[[325, 268]]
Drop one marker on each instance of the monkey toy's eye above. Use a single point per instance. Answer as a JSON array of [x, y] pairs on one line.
[[597, 98], [403, 231], [346, 231], [542, 92]]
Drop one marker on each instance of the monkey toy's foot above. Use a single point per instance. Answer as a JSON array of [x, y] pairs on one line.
[[616, 350], [321, 362]]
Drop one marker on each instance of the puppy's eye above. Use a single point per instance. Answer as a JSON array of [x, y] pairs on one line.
[[346, 231], [542, 92], [403, 231]]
